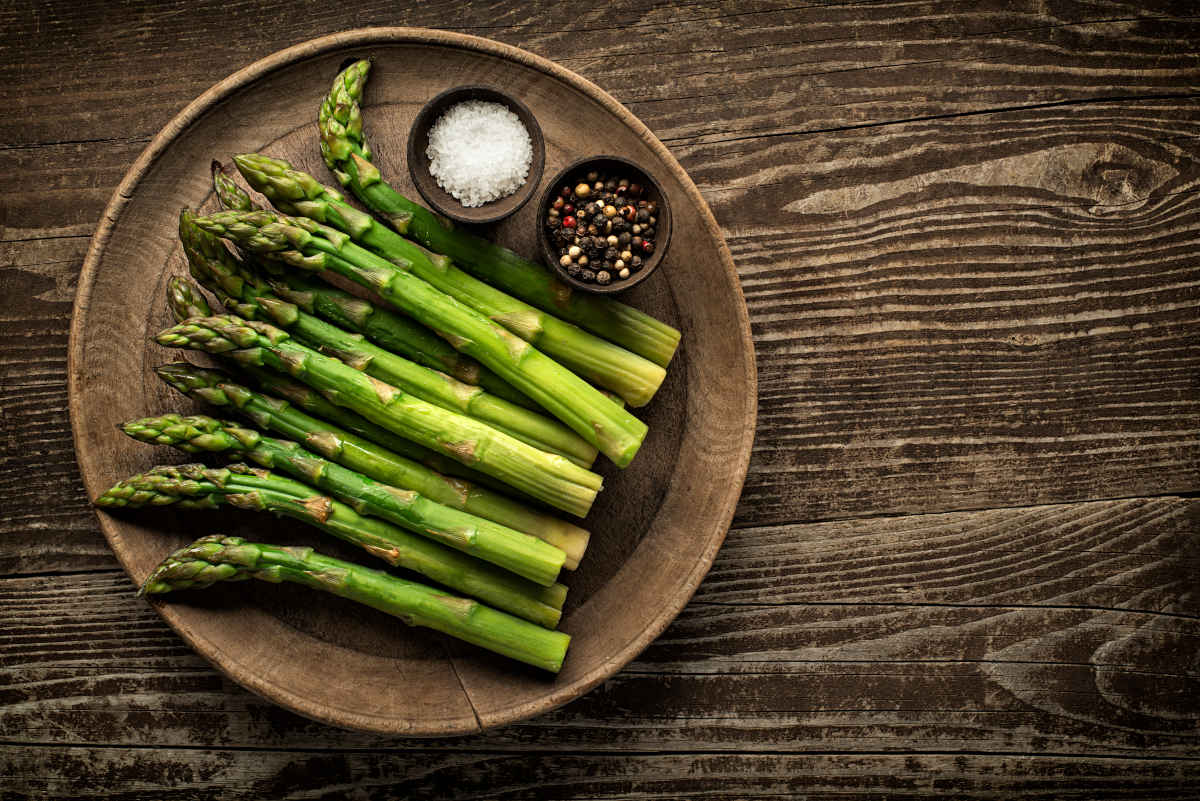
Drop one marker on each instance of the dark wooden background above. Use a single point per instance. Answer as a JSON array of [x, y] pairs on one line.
[[965, 563]]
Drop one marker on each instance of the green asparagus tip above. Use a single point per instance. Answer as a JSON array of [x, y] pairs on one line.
[[229, 194]]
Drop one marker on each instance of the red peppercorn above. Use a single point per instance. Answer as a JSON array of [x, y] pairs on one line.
[[628, 212], [565, 191], [568, 221], [568, 209], [558, 203], [647, 245]]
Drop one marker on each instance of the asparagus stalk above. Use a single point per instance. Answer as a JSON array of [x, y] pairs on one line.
[[304, 397], [391, 331], [371, 459], [218, 558], [397, 334], [542, 475], [244, 293], [193, 486], [297, 193], [512, 550], [347, 154], [308, 245]]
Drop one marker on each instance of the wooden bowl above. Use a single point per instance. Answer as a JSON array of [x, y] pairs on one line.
[[657, 525], [653, 192], [442, 201]]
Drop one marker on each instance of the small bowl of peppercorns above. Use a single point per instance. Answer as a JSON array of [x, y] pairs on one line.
[[605, 224]]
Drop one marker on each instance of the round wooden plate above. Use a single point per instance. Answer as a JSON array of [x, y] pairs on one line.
[[657, 525]]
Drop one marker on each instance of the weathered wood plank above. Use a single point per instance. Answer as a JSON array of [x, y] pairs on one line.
[[153, 774], [1069, 630]]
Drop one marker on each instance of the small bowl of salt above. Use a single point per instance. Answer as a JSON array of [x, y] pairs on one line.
[[476, 154]]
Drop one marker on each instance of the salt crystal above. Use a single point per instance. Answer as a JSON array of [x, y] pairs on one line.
[[479, 152]]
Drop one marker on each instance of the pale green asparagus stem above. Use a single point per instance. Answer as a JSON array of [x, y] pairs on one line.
[[218, 558], [244, 292], [512, 550], [297, 193], [308, 245], [194, 486], [545, 476], [369, 458]]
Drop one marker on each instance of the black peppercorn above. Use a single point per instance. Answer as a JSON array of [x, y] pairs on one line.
[[587, 275], [636, 263], [636, 241], [610, 254], [643, 215]]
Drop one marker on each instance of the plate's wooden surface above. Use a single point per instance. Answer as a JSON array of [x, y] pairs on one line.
[[657, 525]]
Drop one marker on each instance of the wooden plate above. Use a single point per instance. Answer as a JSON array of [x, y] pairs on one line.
[[657, 525]]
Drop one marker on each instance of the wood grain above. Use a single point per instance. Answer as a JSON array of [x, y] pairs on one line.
[[891, 635], [1056, 141]]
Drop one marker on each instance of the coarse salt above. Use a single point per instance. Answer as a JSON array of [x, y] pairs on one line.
[[479, 152]]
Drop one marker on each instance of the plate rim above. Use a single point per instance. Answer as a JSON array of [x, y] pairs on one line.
[[358, 38]]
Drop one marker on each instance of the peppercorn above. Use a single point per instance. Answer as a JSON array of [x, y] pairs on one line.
[[593, 175], [624, 238], [643, 215], [603, 277], [648, 246], [609, 211], [583, 261], [636, 241], [628, 213], [583, 190], [568, 209], [637, 229], [624, 273], [598, 186], [636, 262], [625, 254], [635, 190], [568, 222], [611, 254], [612, 241], [587, 275], [565, 260], [574, 251], [565, 191], [558, 203], [648, 232]]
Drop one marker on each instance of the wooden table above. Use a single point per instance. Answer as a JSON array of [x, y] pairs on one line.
[[965, 560]]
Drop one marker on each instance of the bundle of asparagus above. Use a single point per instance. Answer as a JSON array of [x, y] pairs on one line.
[[416, 434]]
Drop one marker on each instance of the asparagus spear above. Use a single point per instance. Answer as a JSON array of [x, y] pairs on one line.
[[371, 459], [193, 486], [183, 304], [185, 299], [512, 550], [297, 193], [244, 293], [397, 334], [229, 194], [347, 154], [308, 245], [218, 558], [542, 475]]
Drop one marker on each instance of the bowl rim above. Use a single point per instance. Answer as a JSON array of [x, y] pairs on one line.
[[664, 242], [537, 163]]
